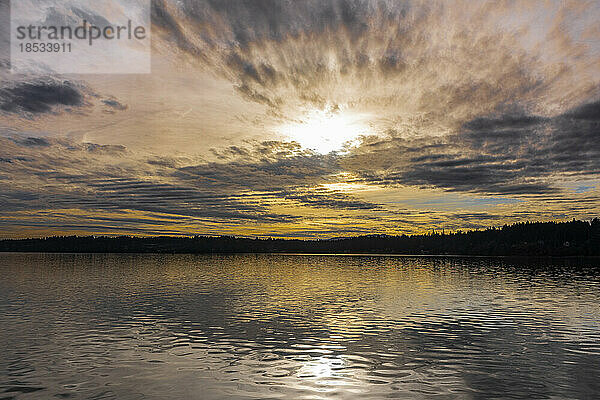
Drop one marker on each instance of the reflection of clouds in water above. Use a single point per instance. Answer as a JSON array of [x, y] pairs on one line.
[[353, 326]]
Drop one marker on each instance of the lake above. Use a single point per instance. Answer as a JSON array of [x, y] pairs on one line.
[[93, 326]]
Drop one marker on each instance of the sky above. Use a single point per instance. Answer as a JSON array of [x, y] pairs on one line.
[[313, 119]]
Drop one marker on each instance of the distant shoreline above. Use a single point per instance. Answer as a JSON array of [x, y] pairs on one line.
[[530, 239], [391, 255]]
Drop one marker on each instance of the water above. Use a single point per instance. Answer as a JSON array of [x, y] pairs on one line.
[[276, 326]]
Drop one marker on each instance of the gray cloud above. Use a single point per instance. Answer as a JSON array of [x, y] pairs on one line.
[[459, 96], [37, 96], [40, 96], [587, 112], [405, 57], [268, 166], [503, 154], [113, 105], [49, 175], [33, 141], [326, 198]]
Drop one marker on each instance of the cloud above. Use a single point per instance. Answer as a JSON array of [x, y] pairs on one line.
[[113, 105], [50, 175], [263, 166], [33, 142], [4, 35], [321, 197], [454, 97], [40, 96], [398, 58], [504, 154], [587, 112]]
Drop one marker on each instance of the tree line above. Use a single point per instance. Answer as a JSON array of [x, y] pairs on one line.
[[572, 238]]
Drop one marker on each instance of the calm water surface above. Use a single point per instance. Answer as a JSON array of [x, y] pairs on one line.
[[274, 326]]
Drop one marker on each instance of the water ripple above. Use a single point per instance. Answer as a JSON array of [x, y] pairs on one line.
[[273, 326]]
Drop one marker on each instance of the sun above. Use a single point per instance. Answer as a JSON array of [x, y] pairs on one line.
[[325, 131]]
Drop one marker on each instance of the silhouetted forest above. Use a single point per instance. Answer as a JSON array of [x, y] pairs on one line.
[[574, 238]]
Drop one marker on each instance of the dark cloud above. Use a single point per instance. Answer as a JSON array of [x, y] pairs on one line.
[[258, 20], [589, 112], [56, 174], [504, 122], [261, 175], [393, 56], [506, 154], [41, 96], [228, 37], [105, 149], [328, 199], [92, 18], [34, 141], [66, 15], [166, 24], [268, 165], [114, 104]]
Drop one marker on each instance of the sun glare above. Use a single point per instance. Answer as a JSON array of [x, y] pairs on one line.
[[326, 131]]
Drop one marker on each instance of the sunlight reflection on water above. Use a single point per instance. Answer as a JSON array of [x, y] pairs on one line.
[[275, 326]]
